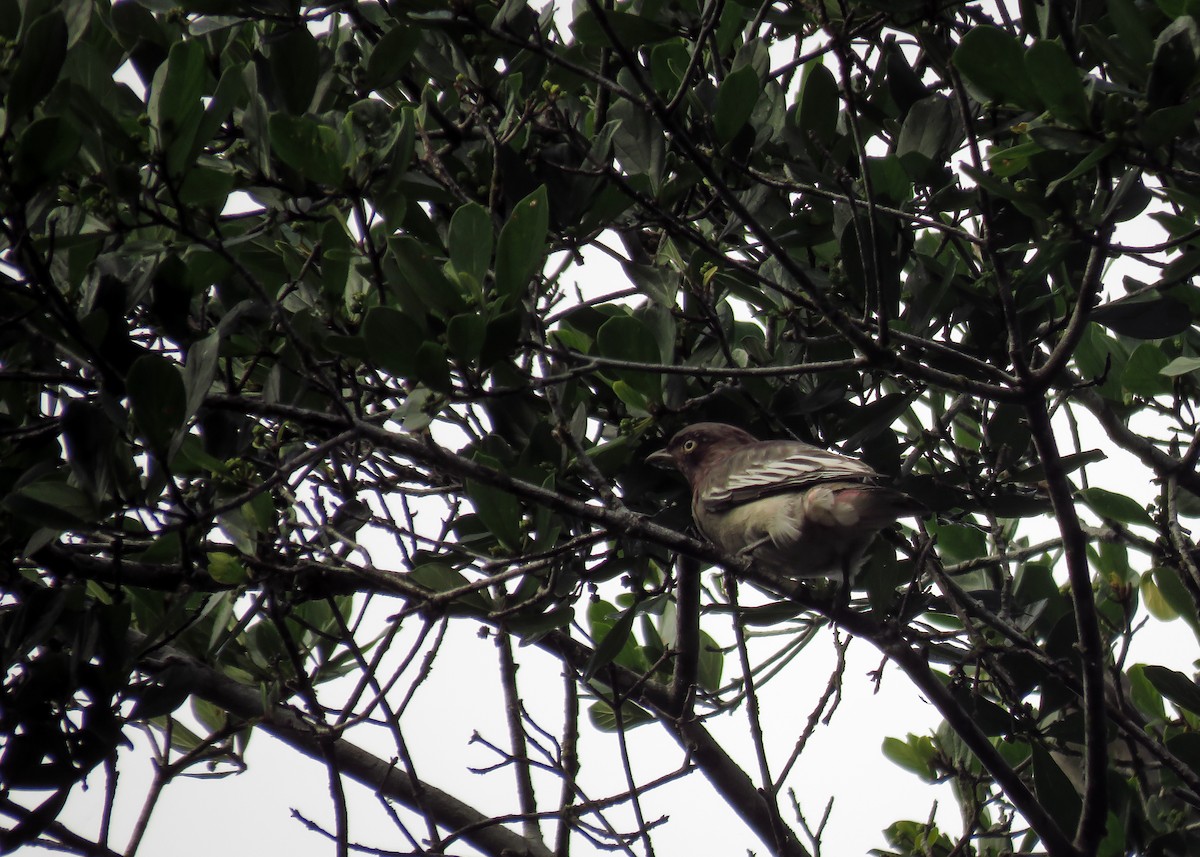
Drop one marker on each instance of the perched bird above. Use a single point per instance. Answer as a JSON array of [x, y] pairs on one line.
[[793, 508]]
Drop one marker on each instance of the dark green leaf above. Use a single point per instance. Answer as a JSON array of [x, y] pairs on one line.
[[819, 105], [295, 65], [308, 147], [44, 149], [1144, 316], [175, 107], [1175, 686], [169, 692], [628, 338], [1175, 62], [736, 98], [390, 55], [1101, 359], [522, 246], [51, 503], [629, 29], [1057, 80], [158, 399], [199, 371], [470, 244], [928, 130], [392, 339], [612, 639], [1054, 788], [432, 366], [1116, 507], [1143, 372], [711, 664], [424, 277], [438, 578], [499, 510], [992, 62], [42, 51], [465, 335], [960, 542]]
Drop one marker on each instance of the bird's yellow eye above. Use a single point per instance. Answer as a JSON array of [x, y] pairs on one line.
[[689, 446]]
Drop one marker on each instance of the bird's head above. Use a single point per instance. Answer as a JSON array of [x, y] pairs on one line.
[[700, 446]]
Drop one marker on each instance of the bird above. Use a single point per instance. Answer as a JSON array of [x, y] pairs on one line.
[[795, 509]]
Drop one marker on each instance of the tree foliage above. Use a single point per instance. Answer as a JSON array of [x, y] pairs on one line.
[[301, 362]]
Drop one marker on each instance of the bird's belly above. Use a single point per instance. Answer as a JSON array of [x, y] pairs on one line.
[[790, 537]]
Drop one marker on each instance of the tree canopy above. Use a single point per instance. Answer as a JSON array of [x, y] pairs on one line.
[[303, 366]]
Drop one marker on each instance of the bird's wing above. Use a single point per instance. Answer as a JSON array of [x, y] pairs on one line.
[[774, 467]]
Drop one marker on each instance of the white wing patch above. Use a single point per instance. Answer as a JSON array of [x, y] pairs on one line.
[[795, 472]]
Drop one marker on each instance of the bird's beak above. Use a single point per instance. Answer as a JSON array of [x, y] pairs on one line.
[[662, 458]]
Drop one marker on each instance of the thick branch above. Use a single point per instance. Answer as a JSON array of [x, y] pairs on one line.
[[285, 724], [1093, 819]]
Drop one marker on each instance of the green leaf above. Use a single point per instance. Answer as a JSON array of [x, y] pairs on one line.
[[470, 243], [1116, 507], [928, 129], [1143, 694], [225, 568], [432, 366], [438, 577], [51, 503], [1054, 788], [819, 106], [1156, 605], [604, 718], [1145, 316], [531, 624], [627, 337], [629, 29], [169, 691], [307, 146], [44, 149], [392, 339], [207, 187], [1181, 366], [1058, 83], [915, 755], [711, 664], [611, 638], [1175, 62], [992, 63], [960, 542], [465, 335], [522, 246], [736, 97], [499, 510], [1170, 587], [1143, 374], [200, 370], [424, 277], [295, 66], [1175, 686], [390, 56], [42, 52], [158, 399], [1085, 165], [175, 107], [1101, 359]]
